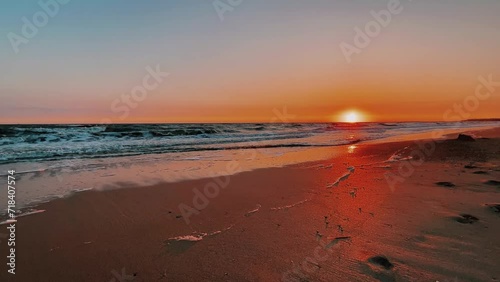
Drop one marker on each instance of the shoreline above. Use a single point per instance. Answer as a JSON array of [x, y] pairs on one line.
[[64, 179]]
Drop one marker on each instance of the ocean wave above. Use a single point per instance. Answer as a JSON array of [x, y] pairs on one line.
[[30, 143]]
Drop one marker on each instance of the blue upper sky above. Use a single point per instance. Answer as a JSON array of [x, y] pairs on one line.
[[263, 53]]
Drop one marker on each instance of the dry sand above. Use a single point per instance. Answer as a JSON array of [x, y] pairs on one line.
[[335, 220]]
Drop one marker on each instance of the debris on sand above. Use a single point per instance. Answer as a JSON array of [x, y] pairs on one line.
[[353, 192], [480, 172], [341, 230], [467, 219], [445, 184], [465, 137], [318, 235], [382, 261]]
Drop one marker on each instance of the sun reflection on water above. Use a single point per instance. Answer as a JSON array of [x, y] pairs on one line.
[[351, 149]]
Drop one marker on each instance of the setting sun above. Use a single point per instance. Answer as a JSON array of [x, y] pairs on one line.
[[351, 117]]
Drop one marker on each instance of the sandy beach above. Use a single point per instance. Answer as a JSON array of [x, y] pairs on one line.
[[367, 215]]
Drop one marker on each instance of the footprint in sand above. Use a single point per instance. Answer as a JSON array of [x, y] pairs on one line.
[[492, 183], [493, 207], [466, 219], [381, 261], [380, 268]]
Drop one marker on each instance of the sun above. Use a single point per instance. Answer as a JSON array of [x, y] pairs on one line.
[[351, 117]]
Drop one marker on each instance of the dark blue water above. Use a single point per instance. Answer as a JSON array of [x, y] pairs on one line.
[[24, 143]]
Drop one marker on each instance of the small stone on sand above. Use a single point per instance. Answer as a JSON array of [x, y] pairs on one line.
[[465, 137], [445, 184]]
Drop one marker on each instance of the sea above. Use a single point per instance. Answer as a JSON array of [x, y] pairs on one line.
[[39, 143], [53, 161]]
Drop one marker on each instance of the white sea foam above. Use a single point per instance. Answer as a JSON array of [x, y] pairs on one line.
[[196, 237], [12, 220], [398, 156], [249, 213], [8, 221], [31, 212], [344, 177], [190, 238], [289, 206]]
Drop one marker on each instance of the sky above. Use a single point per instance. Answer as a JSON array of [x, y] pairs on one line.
[[247, 60]]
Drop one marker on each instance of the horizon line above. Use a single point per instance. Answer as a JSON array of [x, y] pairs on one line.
[[250, 122]]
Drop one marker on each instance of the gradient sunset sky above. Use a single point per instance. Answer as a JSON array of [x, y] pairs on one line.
[[264, 55]]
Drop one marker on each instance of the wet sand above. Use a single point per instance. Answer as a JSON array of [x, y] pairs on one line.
[[356, 217]]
